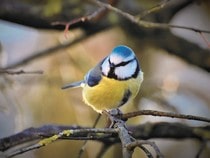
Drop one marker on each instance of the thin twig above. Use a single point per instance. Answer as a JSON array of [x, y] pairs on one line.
[[18, 72], [143, 23], [144, 142], [147, 152], [40, 144], [205, 40], [103, 149], [201, 149], [153, 9], [64, 133], [84, 35], [82, 149], [164, 114], [83, 19], [23, 150], [94, 17]]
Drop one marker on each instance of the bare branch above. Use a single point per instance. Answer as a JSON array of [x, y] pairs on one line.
[[129, 143], [144, 131], [104, 148], [164, 114], [195, 55], [153, 9], [85, 142], [146, 24], [202, 147], [18, 72], [205, 40], [143, 142], [147, 152], [62, 134], [94, 16]]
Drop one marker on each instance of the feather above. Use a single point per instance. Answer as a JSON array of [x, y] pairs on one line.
[[93, 77], [73, 85]]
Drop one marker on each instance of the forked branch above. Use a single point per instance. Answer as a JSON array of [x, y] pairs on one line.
[[130, 136]]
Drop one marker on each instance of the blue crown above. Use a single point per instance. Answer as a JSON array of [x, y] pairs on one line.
[[123, 51]]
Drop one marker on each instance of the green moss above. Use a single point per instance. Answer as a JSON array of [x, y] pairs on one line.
[[49, 140]]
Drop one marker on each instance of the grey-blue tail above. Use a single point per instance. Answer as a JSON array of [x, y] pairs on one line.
[[73, 85]]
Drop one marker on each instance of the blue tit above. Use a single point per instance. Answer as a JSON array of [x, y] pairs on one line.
[[113, 82]]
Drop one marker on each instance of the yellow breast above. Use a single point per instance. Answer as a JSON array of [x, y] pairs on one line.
[[109, 93]]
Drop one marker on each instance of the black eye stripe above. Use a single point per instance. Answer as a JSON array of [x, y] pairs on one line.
[[120, 64], [124, 63]]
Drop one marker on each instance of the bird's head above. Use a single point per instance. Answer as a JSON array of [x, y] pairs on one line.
[[121, 64]]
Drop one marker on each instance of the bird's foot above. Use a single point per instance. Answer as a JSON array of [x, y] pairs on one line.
[[114, 116]]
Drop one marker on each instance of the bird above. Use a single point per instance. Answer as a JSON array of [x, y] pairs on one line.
[[113, 82]]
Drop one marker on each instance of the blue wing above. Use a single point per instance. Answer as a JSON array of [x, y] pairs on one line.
[[94, 76]]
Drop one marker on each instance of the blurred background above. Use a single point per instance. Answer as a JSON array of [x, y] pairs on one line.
[[175, 62]]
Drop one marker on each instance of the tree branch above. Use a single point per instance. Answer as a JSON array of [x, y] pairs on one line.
[[132, 145], [164, 114], [144, 23], [162, 130], [175, 45], [155, 36]]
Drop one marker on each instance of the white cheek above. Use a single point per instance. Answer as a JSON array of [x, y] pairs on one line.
[[105, 67], [127, 70]]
